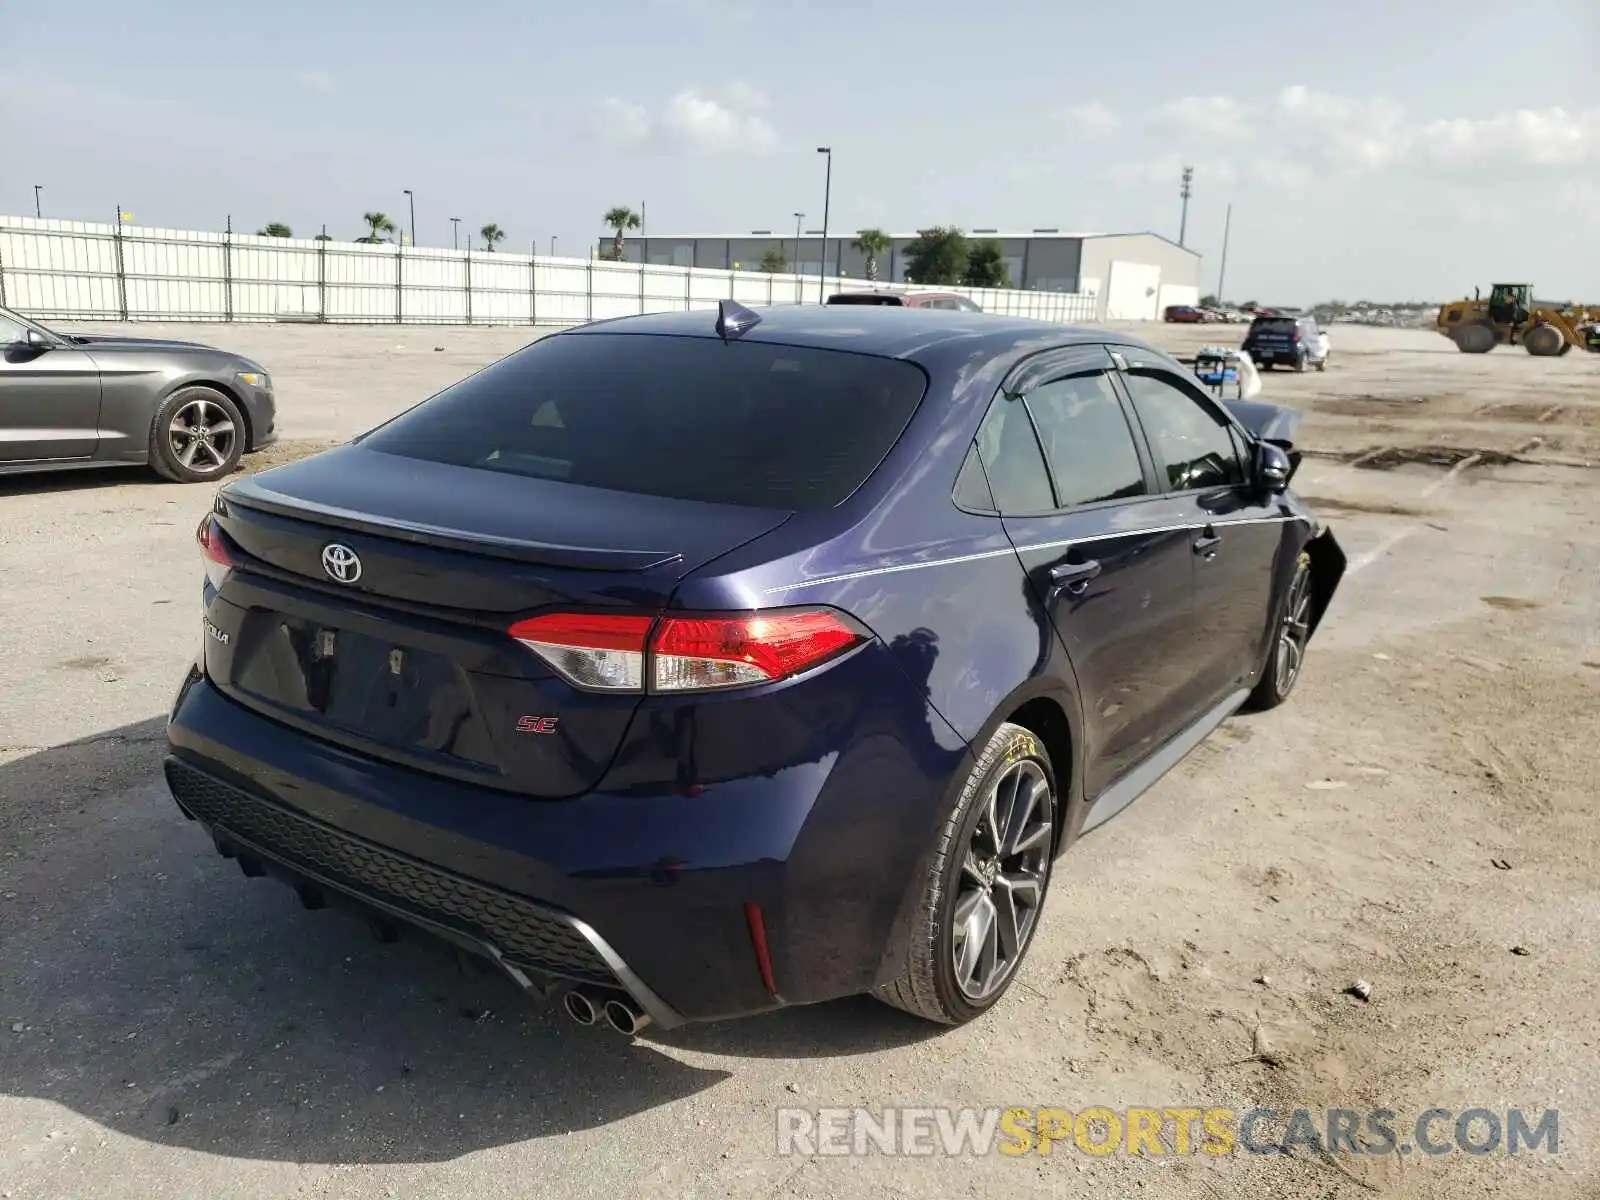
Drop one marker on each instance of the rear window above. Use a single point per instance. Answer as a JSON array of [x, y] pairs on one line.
[[740, 423], [1272, 325], [867, 298]]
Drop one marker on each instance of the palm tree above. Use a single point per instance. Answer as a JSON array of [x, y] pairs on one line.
[[378, 223], [492, 233], [275, 229], [622, 219], [872, 243]]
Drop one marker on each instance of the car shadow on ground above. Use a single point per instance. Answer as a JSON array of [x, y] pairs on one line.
[[44, 483], [151, 988]]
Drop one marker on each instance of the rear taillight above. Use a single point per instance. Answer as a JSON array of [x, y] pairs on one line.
[[591, 650], [686, 653], [213, 550]]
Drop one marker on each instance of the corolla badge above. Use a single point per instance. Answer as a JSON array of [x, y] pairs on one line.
[[341, 563]]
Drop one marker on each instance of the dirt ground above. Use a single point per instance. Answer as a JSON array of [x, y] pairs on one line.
[[1421, 816]]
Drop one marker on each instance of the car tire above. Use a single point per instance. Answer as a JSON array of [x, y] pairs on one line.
[[1322, 363], [198, 434], [969, 875], [1291, 633], [1300, 362]]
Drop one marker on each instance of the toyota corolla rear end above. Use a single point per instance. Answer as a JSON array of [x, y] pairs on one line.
[[448, 673]]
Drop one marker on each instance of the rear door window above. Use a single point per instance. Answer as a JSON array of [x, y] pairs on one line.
[[1012, 459], [1087, 441], [689, 418]]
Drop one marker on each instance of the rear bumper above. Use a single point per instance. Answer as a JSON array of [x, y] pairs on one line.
[[648, 893]]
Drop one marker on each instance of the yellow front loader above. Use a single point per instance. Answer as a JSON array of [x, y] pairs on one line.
[[1509, 317]]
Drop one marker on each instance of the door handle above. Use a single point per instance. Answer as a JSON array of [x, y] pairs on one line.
[[1074, 577], [1206, 544]]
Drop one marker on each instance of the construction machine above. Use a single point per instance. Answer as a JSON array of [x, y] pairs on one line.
[[1511, 317]]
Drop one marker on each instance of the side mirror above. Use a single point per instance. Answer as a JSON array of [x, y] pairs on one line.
[[1273, 467]]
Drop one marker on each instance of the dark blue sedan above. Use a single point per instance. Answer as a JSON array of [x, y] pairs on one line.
[[694, 665]]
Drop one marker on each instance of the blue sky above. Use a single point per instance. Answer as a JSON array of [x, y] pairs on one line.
[[1391, 150]]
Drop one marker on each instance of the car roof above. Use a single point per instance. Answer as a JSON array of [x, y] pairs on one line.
[[890, 331]]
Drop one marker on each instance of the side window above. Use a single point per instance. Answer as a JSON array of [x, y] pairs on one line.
[[11, 331], [1011, 458], [1194, 446], [972, 488], [1086, 438]]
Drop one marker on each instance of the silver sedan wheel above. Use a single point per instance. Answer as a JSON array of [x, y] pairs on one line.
[[202, 436], [1295, 633], [1002, 880]]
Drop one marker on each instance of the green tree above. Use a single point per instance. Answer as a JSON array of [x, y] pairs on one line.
[[275, 229], [1210, 301], [622, 219], [775, 261], [872, 244], [937, 255], [323, 237], [378, 223], [491, 233], [986, 266]]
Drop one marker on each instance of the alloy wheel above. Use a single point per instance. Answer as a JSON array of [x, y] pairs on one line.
[[1295, 633], [202, 436], [1002, 881]]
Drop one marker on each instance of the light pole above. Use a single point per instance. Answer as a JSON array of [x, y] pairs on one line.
[[413, 200], [798, 217], [37, 210], [1222, 271], [1184, 192], [552, 245], [827, 195], [455, 233]]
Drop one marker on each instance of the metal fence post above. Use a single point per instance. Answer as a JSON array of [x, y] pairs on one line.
[[533, 290], [399, 282], [227, 268], [322, 278], [643, 266], [2, 281], [688, 289], [122, 276], [589, 287], [469, 283]]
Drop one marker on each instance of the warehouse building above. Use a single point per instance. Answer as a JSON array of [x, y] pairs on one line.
[[1135, 275]]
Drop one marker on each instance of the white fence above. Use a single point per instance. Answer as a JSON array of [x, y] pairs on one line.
[[79, 270]]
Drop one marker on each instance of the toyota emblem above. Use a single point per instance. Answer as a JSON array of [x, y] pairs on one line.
[[341, 563]]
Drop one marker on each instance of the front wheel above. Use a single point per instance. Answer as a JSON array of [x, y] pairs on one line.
[[197, 434], [986, 885], [1287, 654]]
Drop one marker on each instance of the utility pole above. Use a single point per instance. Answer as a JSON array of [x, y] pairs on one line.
[[1222, 271], [412, 196], [798, 217], [1185, 192], [38, 211], [455, 233], [827, 196]]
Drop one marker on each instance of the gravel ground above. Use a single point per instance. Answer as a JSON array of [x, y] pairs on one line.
[[1421, 816]]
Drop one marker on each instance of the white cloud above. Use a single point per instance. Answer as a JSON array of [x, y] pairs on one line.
[[709, 125], [1308, 132], [318, 83], [1091, 118], [623, 123], [1207, 116], [728, 121]]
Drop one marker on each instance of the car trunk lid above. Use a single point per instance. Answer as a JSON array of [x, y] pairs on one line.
[[371, 596]]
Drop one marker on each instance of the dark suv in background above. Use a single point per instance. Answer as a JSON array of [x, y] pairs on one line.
[[693, 665], [1277, 341]]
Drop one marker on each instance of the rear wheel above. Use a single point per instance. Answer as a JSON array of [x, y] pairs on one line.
[[198, 434], [1476, 338], [1287, 654], [986, 885], [1300, 361], [1543, 341], [1322, 363]]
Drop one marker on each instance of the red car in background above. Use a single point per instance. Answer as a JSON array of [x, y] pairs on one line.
[[1183, 314]]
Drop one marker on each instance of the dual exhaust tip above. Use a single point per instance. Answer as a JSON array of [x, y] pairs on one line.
[[589, 1007]]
